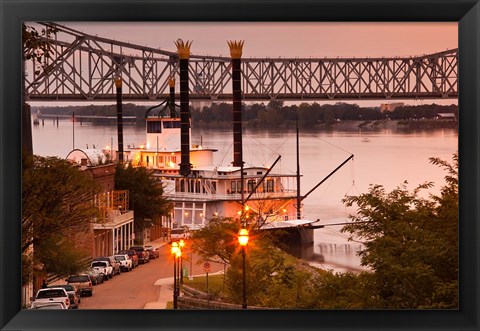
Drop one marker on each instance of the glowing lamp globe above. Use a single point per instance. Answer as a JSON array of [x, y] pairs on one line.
[[175, 249], [243, 237]]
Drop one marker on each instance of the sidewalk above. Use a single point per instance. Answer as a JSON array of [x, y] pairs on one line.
[[166, 284]]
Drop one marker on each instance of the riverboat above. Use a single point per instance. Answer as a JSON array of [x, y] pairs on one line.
[[211, 190]]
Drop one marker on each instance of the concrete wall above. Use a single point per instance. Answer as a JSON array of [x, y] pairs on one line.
[[195, 299]]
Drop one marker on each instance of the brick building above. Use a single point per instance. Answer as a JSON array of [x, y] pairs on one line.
[[114, 229]]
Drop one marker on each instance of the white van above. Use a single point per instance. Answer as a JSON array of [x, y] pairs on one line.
[[179, 233]]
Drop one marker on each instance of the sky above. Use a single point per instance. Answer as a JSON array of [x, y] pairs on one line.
[[288, 39], [273, 40]]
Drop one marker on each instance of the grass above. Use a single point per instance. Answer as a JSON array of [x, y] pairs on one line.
[[215, 284]]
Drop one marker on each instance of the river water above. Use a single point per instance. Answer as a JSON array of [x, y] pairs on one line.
[[386, 157]]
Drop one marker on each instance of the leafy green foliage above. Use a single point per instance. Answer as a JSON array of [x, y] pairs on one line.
[[57, 200], [217, 241], [145, 194], [36, 45], [59, 260], [411, 243]]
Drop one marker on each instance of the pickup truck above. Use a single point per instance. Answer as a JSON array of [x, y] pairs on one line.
[[83, 283], [104, 267], [125, 261], [49, 296], [143, 255], [111, 261]]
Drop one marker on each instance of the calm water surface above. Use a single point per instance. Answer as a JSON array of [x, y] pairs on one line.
[[381, 157]]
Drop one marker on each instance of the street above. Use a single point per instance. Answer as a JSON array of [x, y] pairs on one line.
[[134, 289]]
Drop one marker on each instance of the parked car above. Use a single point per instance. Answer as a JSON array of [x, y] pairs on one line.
[[133, 255], [49, 296], [104, 267], [96, 276], [125, 261], [114, 263], [154, 253], [82, 282], [53, 305], [143, 256], [73, 294], [179, 233]]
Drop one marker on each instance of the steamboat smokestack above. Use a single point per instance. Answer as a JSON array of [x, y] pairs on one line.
[[171, 83], [118, 85], [184, 54], [236, 54]]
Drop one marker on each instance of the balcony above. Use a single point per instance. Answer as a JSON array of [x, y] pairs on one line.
[[115, 218], [285, 194]]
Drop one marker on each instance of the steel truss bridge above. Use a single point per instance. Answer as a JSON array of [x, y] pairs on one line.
[[83, 67]]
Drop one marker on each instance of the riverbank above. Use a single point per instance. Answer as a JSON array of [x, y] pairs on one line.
[[348, 126], [401, 125]]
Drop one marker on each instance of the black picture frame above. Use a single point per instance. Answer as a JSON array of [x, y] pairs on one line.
[[13, 12]]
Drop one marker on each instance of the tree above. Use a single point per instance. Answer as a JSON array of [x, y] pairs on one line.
[[36, 47], [145, 194], [217, 241], [410, 242], [57, 199]]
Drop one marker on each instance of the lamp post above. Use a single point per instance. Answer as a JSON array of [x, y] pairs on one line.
[[176, 252], [181, 244], [243, 241]]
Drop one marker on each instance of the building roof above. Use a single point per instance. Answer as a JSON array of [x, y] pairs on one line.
[[92, 156]]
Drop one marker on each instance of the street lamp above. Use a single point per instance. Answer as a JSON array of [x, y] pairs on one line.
[[176, 252], [181, 244], [243, 241]]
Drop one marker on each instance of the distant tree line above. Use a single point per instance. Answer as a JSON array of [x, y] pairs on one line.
[[128, 109], [275, 114], [310, 115]]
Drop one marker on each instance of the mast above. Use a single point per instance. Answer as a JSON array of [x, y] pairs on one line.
[[183, 49], [118, 85], [299, 201], [236, 55]]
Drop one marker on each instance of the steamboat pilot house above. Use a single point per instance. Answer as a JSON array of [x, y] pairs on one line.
[[210, 190]]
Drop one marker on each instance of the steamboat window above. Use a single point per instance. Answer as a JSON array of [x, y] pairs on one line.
[[174, 159], [171, 125], [197, 186], [214, 187], [251, 185], [270, 185], [233, 187], [154, 127]]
